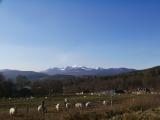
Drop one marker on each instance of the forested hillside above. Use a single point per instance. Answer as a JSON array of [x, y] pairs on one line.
[[58, 84]]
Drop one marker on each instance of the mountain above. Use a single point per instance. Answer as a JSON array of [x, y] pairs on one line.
[[153, 72], [148, 78], [73, 71], [12, 74], [79, 71]]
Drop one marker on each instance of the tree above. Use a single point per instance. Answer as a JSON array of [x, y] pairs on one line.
[[2, 78], [21, 82]]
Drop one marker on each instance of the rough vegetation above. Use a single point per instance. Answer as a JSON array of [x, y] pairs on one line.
[[125, 107]]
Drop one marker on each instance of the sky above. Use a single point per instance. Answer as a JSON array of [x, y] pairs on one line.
[[40, 34]]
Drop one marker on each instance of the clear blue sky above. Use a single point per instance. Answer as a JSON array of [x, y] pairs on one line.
[[38, 34]]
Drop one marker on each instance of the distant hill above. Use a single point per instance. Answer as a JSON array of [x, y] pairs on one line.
[[61, 72], [79, 71], [150, 72], [65, 72], [148, 78], [12, 74]]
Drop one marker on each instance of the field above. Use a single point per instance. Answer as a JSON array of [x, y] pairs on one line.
[[124, 107]]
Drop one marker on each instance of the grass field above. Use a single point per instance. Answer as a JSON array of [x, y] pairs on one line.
[[125, 107]]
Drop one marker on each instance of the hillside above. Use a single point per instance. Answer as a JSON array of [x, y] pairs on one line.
[[12, 74], [149, 78]]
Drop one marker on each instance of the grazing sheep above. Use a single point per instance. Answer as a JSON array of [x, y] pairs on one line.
[[68, 105], [88, 104], [81, 93], [104, 102], [92, 94], [42, 108], [79, 105], [13, 111], [65, 100], [58, 107]]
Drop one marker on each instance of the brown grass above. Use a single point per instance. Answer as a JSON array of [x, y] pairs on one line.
[[124, 108]]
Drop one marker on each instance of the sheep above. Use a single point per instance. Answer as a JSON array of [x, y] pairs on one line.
[[42, 108], [92, 94], [79, 105], [13, 111], [68, 105], [88, 104], [58, 107], [65, 100], [81, 93], [104, 102]]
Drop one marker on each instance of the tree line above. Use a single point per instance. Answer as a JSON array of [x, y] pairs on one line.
[[63, 84], [22, 87]]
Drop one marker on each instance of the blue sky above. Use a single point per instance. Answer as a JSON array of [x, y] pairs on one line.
[[38, 34]]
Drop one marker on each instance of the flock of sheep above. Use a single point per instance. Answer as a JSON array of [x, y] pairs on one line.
[[43, 108]]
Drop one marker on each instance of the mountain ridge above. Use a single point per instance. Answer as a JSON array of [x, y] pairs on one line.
[[69, 70], [82, 70]]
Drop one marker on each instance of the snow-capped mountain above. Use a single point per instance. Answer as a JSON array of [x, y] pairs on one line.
[[82, 70], [69, 70]]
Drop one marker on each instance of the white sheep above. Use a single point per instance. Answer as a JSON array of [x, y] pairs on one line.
[[81, 93], [42, 109], [58, 107], [92, 94], [13, 111], [104, 102], [88, 104], [68, 105], [65, 100], [79, 105]]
